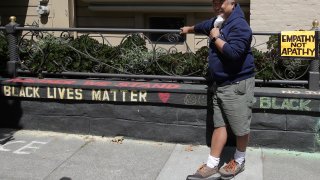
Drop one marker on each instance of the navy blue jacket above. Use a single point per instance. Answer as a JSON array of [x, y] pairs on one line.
[[236, 62]]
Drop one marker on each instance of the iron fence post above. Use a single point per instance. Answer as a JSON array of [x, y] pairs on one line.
[[12, 36], [314, 65]]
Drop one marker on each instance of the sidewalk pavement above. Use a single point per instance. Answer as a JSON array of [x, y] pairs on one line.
[[56, 156]]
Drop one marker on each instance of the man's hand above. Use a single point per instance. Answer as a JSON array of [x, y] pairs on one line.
[[215, 32], [219, 43], [187, 29]]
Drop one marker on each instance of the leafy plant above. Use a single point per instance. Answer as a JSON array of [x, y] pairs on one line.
[[263, 65], [45, 54], [86, 54], [4, 56], [282, 68]]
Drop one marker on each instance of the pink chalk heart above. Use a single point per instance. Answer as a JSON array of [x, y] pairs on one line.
[[164, 97]]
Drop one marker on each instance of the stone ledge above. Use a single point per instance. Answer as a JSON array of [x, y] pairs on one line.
[[104, 91], [284, 139], [150, 92]]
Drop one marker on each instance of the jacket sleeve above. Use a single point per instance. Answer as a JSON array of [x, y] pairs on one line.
[[204, 27], [238, 42]]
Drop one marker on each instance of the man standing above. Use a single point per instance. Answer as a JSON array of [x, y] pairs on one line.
[[231, 66]]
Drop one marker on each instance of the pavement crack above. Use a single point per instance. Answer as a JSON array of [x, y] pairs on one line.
[[165, 164], [67, 159], [263, 161]]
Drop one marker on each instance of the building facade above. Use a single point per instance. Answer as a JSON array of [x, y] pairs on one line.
[[267, 16]]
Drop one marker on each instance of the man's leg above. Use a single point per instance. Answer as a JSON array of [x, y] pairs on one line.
[[218, 140], [210, 169], [242, 142], [239, 113], [219, 135]]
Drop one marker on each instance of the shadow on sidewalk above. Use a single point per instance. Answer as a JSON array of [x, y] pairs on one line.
[[227, 154], [6, 135], [11, 109]]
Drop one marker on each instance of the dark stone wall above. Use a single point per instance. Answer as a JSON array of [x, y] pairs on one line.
[[150, 121], [288, 130]]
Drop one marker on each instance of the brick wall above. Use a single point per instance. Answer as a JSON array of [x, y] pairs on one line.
[[275, 15]]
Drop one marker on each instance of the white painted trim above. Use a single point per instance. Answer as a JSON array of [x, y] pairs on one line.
[[150, 8]]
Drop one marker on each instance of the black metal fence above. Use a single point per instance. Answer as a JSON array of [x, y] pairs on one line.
[[168, 58]]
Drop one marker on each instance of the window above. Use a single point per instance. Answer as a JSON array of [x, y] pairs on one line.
[[166, 23]]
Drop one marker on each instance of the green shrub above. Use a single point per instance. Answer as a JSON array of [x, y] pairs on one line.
[[131, 56], [45, 54], [4, 57], [272, 66], [263, 65]]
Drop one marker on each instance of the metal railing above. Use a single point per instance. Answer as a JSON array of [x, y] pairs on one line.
[[171, 57]]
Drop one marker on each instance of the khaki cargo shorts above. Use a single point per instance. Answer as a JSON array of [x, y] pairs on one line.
[[232, 104]]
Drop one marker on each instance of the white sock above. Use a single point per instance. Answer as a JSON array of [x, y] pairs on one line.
[[239, 156], [212, 161]]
